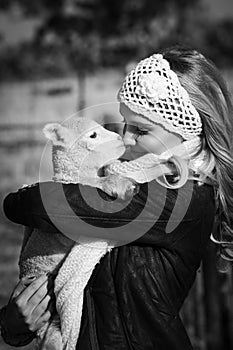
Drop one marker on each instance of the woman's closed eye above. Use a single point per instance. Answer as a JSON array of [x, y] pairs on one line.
[[140, 132], [135, 130]]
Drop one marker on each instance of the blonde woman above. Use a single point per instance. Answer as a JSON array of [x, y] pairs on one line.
[[175, 106]]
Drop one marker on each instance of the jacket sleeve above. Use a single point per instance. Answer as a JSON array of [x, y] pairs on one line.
[[13, 338], [74, 209], [40, 204]]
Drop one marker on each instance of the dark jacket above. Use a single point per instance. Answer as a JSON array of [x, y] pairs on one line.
[[134, 295]]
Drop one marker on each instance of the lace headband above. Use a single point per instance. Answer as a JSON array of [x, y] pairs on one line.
[[153, 90]]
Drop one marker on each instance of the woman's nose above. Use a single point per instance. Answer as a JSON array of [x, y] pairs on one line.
[[129, 139]]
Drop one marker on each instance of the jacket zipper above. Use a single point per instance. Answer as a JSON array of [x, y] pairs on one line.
[[91, 316]]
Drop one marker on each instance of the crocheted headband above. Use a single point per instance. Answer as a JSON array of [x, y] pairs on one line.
[[153, 90]]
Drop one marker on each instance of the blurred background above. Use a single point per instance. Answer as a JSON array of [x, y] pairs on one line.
[[58, 57]]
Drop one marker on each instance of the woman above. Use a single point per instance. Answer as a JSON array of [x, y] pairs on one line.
[[133, 298]]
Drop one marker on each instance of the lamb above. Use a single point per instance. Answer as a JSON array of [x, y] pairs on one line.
[[80, 148]]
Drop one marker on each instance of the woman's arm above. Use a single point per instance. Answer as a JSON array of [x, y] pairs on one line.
[[29, 308], [54, 207], [74, 209]]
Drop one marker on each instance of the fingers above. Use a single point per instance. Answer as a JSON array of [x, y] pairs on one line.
[[30, 306], [45, 317], [32, 295], [41, 299], [23, 283], [39, 308], [41, 293], [27, 293], [28, 280], [18, 289], [41, 314]]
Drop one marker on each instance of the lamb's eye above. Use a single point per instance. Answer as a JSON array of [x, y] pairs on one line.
[[93, 136]]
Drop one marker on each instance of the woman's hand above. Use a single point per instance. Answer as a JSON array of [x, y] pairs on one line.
[[29, 308], [119, 186]]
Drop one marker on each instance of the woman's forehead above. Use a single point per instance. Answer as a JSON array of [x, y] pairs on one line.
[[132, 117]]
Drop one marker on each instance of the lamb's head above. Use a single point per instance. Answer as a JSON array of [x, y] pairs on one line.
[[81, 147]]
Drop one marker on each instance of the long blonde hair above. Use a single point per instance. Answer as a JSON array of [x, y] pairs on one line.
[[210, 96]]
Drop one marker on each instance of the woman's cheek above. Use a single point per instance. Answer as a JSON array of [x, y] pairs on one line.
[[151, 145]]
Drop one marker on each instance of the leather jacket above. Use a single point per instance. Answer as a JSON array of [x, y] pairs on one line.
[[133, 298]]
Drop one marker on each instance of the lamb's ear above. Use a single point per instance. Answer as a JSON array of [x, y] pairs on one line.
[[58, 134]]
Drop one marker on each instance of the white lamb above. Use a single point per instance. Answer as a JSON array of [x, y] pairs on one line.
[[80, 148]]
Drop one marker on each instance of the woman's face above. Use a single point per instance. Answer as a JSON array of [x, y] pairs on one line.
[[140, 136]]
